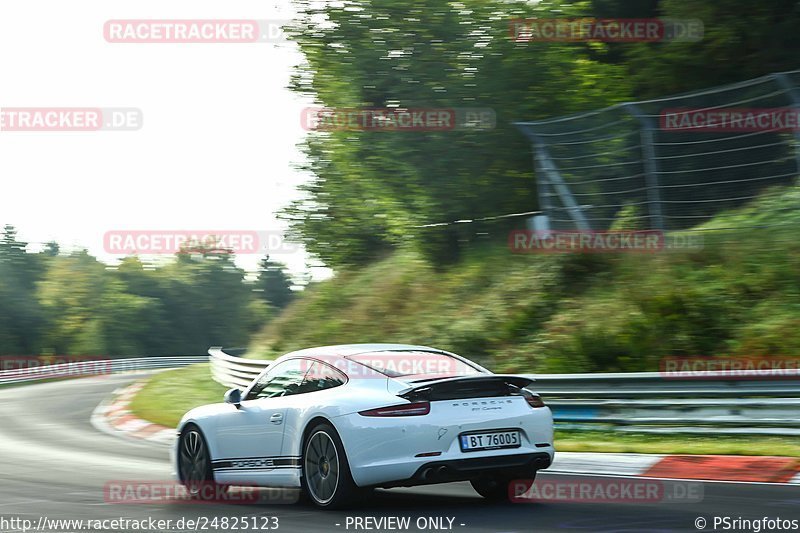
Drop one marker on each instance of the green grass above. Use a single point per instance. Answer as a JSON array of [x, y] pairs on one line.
[[168, 395], [601, 441]]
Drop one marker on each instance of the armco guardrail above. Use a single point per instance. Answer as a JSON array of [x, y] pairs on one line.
[[96, 368], [233, 371], [636, 401], [751, 403]]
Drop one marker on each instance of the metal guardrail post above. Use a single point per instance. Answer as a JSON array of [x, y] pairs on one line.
[[555, 180], [548, 179], [794, 96], [649, 163], [543, 192]]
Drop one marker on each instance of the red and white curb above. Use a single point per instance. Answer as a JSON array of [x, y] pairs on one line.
[[610, 464], [113, 416], [732, 468]]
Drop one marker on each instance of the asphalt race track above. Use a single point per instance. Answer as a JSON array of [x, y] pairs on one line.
[[55, 464]]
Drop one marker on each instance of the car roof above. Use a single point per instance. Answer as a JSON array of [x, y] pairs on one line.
[[345, 350]]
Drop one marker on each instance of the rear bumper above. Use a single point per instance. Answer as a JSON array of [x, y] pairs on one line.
[[451, 470], [391, 450]]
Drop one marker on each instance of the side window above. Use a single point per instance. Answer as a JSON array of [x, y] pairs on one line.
[[320, 377], [282, 380]]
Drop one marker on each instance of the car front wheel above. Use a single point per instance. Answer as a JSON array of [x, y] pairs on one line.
[[194, 465]]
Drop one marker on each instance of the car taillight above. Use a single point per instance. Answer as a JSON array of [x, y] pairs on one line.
[[534, 400], [406, 409]]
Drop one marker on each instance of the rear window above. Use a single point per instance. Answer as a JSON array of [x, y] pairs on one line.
[[410, 363]]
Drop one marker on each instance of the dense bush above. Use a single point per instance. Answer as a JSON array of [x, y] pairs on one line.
[[738, 295]]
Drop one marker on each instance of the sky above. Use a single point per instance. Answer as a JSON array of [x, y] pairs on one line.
[[216, 147]]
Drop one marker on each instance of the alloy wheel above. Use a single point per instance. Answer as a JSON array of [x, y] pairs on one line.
[[321, 467]]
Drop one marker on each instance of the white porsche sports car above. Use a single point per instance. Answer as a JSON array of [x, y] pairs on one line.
[[339, 419]]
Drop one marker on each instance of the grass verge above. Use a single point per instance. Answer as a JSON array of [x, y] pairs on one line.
[[168, 395], [609, 442]]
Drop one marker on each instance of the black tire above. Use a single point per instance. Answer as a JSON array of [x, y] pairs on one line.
[[194, 465], [326, 479], [495, 487]]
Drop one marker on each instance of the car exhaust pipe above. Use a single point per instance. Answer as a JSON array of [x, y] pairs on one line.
[[442, 471], [427, 474]]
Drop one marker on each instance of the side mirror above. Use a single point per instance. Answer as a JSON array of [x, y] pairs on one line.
[[234, 396]]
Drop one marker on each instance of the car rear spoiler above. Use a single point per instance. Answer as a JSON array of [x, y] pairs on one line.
[[461, 387]]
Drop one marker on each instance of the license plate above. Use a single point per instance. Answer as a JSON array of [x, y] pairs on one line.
[[490, 440]]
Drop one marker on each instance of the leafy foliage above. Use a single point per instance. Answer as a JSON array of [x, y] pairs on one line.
[[574, 312], [372, 189], [274, 284], [72, 304]]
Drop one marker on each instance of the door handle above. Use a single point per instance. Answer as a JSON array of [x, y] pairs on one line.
[[277, 418]]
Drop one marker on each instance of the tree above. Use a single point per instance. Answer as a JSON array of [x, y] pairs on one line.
[[273, 284], [742, 40], [206, 301], [21, 316], [51, 249], [373, 189]]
